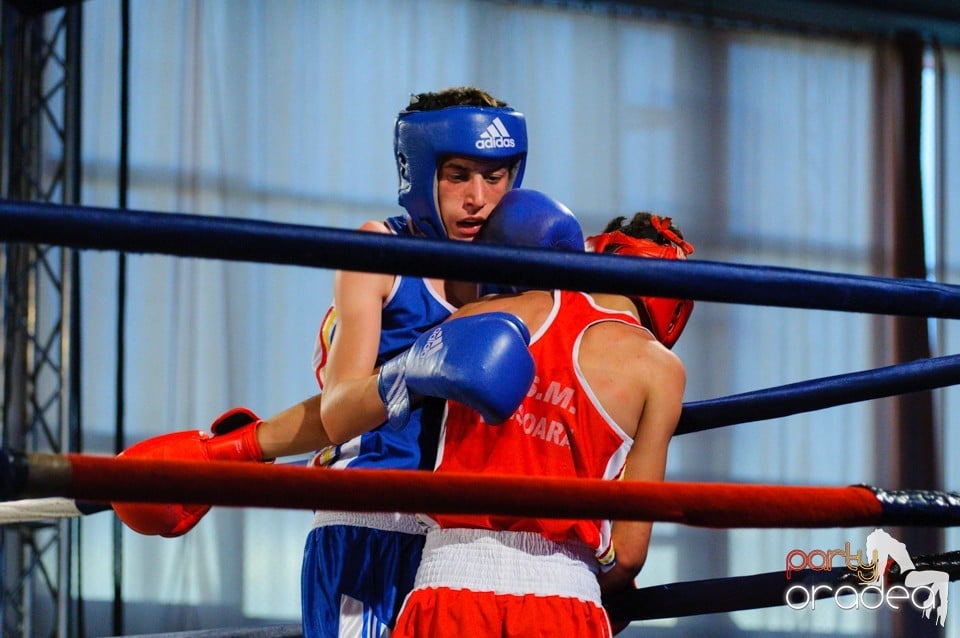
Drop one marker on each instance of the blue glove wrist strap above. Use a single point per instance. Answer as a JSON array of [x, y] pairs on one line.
[[392, 388]]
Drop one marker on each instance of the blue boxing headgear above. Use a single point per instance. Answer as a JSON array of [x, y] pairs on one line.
[[423, 138]]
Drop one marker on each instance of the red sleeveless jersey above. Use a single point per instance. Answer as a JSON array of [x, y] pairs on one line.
[[560, 429]]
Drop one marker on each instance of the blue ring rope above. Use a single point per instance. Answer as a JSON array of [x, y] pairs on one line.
[[739, 593], [261, 241], [817, 394]]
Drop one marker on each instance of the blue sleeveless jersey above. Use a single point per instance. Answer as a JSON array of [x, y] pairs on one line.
[[411, 309]]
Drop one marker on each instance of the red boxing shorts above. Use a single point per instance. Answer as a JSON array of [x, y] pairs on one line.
[[450, 613], [486, 583]]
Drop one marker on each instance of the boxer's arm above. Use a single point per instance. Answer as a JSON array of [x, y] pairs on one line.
[[297, 430], [350, 403], [663, 376]]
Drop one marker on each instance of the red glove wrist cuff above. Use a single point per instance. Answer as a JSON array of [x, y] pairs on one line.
[[238, 445]]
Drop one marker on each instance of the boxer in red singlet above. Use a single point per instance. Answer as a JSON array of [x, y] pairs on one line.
[[604, 404]]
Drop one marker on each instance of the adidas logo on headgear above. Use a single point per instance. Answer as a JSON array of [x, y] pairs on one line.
[[496, 136]]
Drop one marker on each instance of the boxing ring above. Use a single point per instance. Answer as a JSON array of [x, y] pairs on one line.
[[41, 486]]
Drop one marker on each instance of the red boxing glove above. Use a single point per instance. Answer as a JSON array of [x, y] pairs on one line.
[[234, 439]]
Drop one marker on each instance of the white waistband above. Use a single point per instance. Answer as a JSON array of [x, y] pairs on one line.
[[387, 521], [507, 563]]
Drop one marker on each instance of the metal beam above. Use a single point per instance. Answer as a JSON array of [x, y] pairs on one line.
[[934, 20], [40, 141]]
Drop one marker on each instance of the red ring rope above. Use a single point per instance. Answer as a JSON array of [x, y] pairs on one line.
[[101, 478]]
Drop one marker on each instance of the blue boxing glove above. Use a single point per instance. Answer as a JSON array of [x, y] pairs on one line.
[[481, 361], [529, 218]]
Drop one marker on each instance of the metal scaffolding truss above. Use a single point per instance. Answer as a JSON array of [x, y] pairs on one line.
[[39, 136]]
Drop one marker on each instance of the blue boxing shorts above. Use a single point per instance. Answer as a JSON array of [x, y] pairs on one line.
[[354, 579]]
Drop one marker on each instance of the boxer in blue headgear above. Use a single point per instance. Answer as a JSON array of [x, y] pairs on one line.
[[458, 152], [427, 133]]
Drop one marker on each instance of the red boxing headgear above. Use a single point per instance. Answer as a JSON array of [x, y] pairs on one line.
[[668, 317]]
